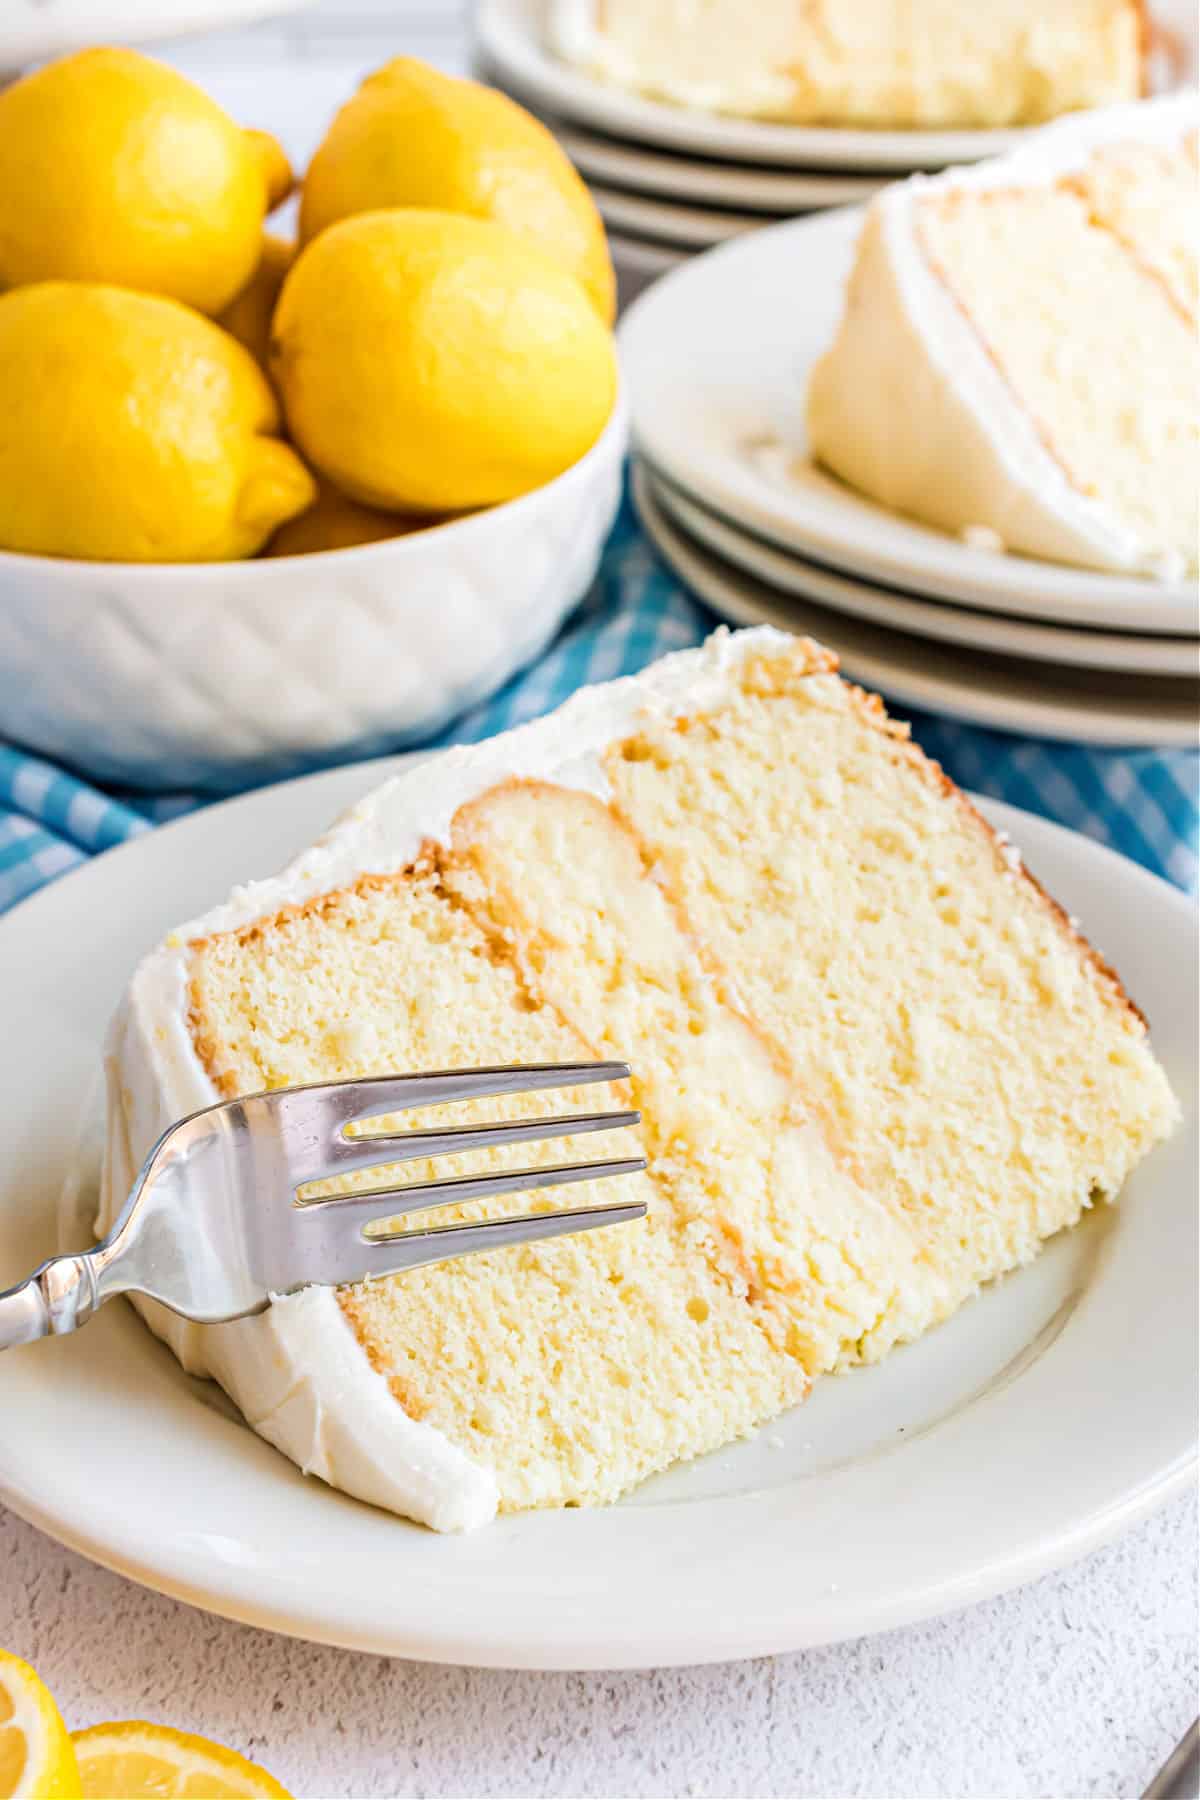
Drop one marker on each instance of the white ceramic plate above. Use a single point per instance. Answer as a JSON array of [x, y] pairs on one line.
[[670, 221], [718, 358], [1083, 706], [511, 42], [778, 191], [1051, 1413], [1123, 652]]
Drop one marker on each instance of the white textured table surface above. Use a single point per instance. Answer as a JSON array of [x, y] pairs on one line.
[[1078, 1685]]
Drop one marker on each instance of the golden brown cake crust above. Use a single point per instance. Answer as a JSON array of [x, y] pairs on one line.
[[1149, 32]]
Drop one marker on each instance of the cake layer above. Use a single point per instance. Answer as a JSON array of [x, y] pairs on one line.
[[1146, 195], [573, 1368], [977, 378], [876, 1067], [971, 1058], [863, 62]]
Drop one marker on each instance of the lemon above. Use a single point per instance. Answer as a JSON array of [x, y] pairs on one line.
[[132, 1759], [412, 136], [36, 1757], [431, 363], [248, 315], [277, 170], [135, 430], [335, 522], [114, 168]]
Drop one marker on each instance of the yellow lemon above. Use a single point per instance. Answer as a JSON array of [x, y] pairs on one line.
[[335, 522], [114, 168], [276, 167], [37, 1761], [412, 136], [248, 316], [135, 1760], [135, 431], [431, 363]]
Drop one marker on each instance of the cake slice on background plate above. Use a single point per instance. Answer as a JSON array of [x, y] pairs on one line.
[[864, 62], [877, 1067], [1017, 359]]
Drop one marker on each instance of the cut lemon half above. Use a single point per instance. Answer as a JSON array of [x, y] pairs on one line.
[[130, 1759], [37, 1761]]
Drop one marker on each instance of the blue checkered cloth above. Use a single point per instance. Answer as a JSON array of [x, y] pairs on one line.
[[1141, 802]]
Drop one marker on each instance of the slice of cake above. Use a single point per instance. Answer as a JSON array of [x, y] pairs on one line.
[[876, 1065], [1018, 360], [863, 62]]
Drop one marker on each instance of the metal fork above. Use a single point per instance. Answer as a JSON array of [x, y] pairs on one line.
[[218, 1222]]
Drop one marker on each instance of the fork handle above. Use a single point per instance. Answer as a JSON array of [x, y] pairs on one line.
[[60, 1296]]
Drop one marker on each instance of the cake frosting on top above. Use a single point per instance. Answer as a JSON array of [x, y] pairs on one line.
[[863, 62], [1017, 358], [876, 1066]]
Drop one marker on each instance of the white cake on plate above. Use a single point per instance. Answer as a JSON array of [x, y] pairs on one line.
[[867, 63], [876, 1066], [1017, 359]]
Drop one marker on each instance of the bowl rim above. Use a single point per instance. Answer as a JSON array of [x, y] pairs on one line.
[[613, 437]]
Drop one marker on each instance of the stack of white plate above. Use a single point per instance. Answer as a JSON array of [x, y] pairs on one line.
[[669, 180], [717, 358]]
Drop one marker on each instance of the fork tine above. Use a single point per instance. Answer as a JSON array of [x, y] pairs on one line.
[[416, 1249], [355, 1155], [362, 1210], [378, 1094]]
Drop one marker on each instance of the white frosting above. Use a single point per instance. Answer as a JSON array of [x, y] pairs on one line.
[[757, 80], [297, 1371], [915, 356]]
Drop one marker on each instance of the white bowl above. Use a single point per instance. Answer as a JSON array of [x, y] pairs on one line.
[[218, 674]]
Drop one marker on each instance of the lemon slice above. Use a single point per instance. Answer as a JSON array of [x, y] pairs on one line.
[[129, 1759], [36, 1757]]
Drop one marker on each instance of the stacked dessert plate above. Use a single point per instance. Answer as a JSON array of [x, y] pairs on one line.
[[730, 496], [671, 180]]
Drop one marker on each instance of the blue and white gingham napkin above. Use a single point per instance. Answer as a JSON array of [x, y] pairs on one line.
[[1143, 803]]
